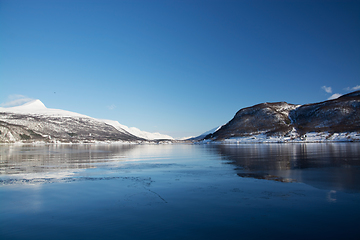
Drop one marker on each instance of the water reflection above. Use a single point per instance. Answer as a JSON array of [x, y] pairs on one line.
[[177, 191], [20, 159], [38, 164], [333, 166]]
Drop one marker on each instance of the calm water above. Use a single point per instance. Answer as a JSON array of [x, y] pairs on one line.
[[250, 191]]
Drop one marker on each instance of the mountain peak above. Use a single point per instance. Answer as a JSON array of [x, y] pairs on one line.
[[34, 104], [29, 107]]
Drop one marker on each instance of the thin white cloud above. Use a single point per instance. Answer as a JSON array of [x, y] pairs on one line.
[[357, 87], [326, 89], [111, 107], [16, 100], [334, 96]]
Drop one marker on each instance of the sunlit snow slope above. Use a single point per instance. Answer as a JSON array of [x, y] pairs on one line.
[[34, 122], [136, 131]]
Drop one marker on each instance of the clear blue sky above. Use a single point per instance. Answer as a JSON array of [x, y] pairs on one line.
[[176, 67]]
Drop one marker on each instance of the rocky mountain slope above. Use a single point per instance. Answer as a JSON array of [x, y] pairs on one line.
[[337, 115], [269, 118], [337, 119], [34, 122]]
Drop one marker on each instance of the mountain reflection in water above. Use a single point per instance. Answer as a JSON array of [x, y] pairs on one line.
[[179, 191], [333, 166], [25, 159]]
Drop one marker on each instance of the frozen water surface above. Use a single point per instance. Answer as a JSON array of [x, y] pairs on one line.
[[249, 191]]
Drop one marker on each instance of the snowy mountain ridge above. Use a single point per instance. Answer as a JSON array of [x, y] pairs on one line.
[[137, 132], [33, 121], [36, 107]]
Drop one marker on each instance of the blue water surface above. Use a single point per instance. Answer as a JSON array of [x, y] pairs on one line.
[[180, 191]]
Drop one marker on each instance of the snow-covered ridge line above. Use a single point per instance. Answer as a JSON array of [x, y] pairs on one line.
[[45, 122], [36, 107], [135, 131]]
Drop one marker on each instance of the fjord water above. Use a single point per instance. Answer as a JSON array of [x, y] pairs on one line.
[[248, 191]]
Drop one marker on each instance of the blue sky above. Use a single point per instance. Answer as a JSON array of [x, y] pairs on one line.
[[176, 67]]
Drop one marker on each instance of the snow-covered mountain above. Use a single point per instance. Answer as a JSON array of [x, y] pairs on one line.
[[332, 120], [203, 135], [36, 107], [33, 121]]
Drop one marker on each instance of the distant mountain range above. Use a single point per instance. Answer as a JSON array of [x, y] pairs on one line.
[[332, 120], [33, 122]]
